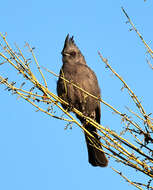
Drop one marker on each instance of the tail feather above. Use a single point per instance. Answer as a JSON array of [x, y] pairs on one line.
[[96, 156]]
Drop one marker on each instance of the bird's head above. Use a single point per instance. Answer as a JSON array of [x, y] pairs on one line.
[[71, 53]]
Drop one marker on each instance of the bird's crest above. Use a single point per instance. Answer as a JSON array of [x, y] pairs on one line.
[[69, 44]]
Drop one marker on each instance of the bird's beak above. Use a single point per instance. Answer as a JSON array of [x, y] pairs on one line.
[[65, 53]]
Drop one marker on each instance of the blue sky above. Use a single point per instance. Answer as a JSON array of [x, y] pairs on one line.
[[36, 151]]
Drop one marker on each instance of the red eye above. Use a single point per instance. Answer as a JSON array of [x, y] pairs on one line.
[[73, 53]]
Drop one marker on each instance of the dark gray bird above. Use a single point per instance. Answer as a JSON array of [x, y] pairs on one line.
[[74, 69]]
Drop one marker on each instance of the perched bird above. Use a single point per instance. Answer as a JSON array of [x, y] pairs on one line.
[[75, 70]]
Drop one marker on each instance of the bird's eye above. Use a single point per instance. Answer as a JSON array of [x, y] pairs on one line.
[[73, 53]]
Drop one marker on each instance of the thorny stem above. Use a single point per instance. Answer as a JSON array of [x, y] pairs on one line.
[[140, 36], [131, 93]]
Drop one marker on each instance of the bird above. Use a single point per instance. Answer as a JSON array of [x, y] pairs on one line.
[[76, 71]]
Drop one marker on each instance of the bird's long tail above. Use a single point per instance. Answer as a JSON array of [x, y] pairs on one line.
[[95, 156]]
